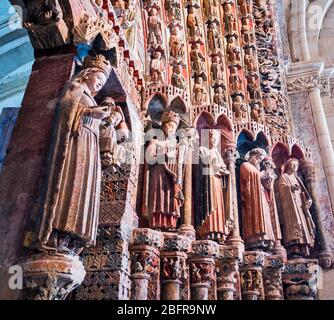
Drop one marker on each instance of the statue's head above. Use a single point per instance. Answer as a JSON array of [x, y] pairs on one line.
[[256, 156], [268, 163], [170, 122], [292, 165], [214, 138], [95, 73]]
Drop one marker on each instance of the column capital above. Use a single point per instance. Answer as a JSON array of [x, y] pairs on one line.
[[147, 237], [175, 242], [305, 76]]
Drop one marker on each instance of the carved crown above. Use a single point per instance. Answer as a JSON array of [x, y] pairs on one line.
[[99, 62]]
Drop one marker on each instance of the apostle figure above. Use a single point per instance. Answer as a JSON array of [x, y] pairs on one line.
[[154, 28], [176, 46], [256, 219], [164, 194], [213, 220], [71, 202], [268, 177], [157, 68], [193, 23], [177, 78], [214, 38], [298, 226]]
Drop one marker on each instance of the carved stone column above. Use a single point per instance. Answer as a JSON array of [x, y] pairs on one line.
[[272, 277], [251, 275], [300, 279], [234, 238], [307, 77], [325, 256], [174, 268], [51, 277], [228, 271], [187, 228], [145, 264], [203, 273]]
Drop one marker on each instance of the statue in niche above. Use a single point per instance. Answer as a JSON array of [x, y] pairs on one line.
[[229, 18], [257, 112], [176, 46], [211, 8], [298, 225], [214, 221], [219, 97], [199, 91], [239, 108], [193, 23], [250, 59], [217, 69], [129, 24], [177, 79], [164, 193], [214, 38], [112, 154], [174, 10], [72, 198], [45, 24], [247, 31], [245, 7], [235, 81], [256, 217], [197, 60], [268, 177], [253, 87], [154, 28], [157, 68], [233, 51]]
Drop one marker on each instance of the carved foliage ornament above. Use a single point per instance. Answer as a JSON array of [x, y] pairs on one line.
[[304, 83]]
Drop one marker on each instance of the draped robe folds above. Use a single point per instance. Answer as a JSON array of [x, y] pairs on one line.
[[214, 219], [163, 203], [298, 226], [71, 202], [270, 198], [256, 218]]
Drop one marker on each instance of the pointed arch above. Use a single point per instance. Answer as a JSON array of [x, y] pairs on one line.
[[178, 105], [297, 152], [203, 120], [280, 154]]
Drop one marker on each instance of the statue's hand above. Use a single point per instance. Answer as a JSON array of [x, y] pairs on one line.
[[309, 203], [100, 112]]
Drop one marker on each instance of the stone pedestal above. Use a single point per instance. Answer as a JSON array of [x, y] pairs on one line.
[[174, 268], [188, 231], [300, 279], [251, 275], [48, 277], [228, 271], [145, 259], [203, 270], [272, 277]]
